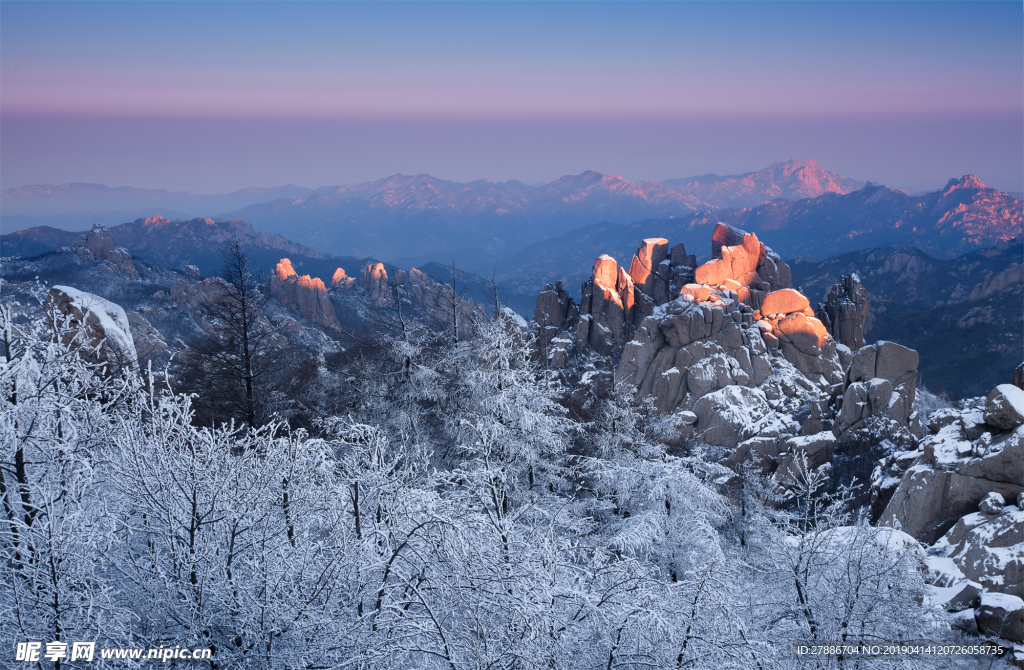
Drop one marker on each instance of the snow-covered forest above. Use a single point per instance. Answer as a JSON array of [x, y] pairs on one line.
[[454, 510]]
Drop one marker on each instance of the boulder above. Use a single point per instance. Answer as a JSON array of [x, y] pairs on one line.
[[785, 301], [92, 320], [818, 449], [805, 333], [1004, 407], [993, 503], [1001, 615]]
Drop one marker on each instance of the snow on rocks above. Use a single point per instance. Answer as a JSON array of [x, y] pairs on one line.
[[729, 415], [988, 549], [1002, 616], [104, 324], [1004, 407], [992, 503], [949, 481]]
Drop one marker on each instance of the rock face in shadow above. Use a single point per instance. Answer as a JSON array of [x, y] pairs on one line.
[[556, 313], [845, 311], [305, 295], [98, 245]]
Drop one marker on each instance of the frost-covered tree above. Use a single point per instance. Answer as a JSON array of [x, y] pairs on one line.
[[57, 535]]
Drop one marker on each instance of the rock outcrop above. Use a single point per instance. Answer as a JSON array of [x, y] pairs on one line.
[[340, 280], [95, 323], [714, 336], [555, 316], [375, 282], [878, 398], [305, 295], [951, 473], [148, 341], [1004, 407], [98, 245], [607, 313], [845, 311]]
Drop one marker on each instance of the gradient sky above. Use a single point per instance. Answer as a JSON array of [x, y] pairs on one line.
[[211, 97]]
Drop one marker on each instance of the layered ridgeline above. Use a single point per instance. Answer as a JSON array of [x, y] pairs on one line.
[[422, 218], [729, 355], [962, 217], [964, 315]]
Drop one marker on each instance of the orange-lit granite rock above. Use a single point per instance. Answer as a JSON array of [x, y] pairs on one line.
[[806, 333], [606, 272], [339, 277], [650, 269], [784, 301], [303, 295], [607, 307], [375, 281]]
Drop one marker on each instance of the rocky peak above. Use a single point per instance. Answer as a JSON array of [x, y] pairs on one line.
[[98, 245], [967, 181], [340, 280], [375, 281], [845, 311]]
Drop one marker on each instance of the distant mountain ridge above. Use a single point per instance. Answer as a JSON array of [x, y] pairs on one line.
[[964, 216], [420, 215]]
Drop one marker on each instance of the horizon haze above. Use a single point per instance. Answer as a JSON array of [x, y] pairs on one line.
[[212, 98]]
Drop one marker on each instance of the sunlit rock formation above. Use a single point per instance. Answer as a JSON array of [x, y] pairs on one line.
[[375, 282], [340, 280], [304, 295]]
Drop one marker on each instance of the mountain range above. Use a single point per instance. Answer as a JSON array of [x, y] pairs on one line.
[[963, 315], [963, 216], [422, 217]]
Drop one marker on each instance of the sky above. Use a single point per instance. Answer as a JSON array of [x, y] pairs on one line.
[[211, 97]]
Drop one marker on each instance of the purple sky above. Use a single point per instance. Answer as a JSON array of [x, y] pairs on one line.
[[212, 97]]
